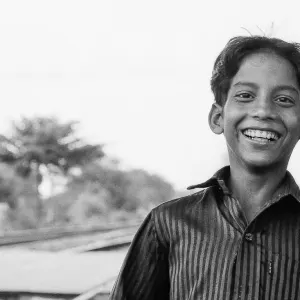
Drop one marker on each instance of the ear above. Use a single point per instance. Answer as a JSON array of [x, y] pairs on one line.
[[215, 119]]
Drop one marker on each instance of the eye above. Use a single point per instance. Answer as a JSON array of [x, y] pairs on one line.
[[244, 96], [284, 101]]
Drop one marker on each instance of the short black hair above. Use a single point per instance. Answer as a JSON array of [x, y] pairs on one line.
[[229, 60]]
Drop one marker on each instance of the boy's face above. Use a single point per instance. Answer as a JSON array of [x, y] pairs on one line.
[[261, 117]]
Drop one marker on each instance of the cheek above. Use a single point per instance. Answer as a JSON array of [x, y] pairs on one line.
[[230, 132], [293, 123], [231, 121]]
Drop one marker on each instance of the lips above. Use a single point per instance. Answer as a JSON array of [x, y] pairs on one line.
[[261, 135]]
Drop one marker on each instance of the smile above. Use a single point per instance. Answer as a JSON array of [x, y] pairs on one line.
[[261, 135]]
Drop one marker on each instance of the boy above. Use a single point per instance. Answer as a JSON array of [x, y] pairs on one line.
[[239, 237]]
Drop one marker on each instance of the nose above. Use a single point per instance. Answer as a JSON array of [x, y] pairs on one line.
[[263, 108]]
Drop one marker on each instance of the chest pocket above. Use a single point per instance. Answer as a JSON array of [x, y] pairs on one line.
[[280, 277], [279, 246]]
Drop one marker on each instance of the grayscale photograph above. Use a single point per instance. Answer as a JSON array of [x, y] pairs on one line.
[[149, 150]]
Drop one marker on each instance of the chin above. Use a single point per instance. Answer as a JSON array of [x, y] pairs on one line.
[[262, 164]]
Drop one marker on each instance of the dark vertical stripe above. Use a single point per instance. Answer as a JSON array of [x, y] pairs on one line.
[[297, 285], [245, 270], [177, 259], [275, 262], [239, 269], [268, 245], [135, 286], [217, 257], [189, 251], [234, 207], [282, 254], [162, 222], [185, 257], [293, 282], [255, 293], [200, 262], [213, 251], [287, 231], [222, 257], [200, 246], [252, 267], [262, 279], [207, 251], [168, 224], [230, 250], [194, 235]]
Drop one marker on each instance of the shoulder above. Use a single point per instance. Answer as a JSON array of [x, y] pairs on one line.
[[196, 200], [169, 217]]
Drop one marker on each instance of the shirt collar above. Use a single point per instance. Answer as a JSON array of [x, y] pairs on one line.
[[288, 186], [218, 179]]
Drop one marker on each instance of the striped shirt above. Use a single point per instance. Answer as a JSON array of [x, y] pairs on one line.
[[202, 247]]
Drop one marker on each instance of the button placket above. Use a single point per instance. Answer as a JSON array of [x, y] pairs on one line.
[[270, 266], [249, 237]]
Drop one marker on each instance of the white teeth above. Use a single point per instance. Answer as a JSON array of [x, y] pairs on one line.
[[263, 134]]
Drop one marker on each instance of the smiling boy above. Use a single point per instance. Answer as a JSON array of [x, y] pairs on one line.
[[239, 237]]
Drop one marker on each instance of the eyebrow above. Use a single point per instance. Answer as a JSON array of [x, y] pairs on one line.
[[251, 84], [280, 87]]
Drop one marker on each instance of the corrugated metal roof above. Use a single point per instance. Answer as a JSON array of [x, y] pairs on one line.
[[63, 273]]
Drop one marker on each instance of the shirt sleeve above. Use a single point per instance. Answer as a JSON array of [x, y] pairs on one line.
[[144, 274]]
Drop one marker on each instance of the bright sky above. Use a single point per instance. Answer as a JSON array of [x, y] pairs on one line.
[[134, 73]]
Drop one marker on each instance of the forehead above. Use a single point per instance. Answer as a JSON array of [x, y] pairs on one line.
[[266, 68]]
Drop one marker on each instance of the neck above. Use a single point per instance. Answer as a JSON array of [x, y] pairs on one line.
[[253, 187]]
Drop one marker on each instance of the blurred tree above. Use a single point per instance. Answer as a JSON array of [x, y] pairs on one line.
[[96, 190], [105, 192], [43, 141], [98, 177], [146, 190], [23, 208], [127, 190], [10, 185]]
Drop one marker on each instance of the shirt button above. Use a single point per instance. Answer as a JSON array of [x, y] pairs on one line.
[[249, 237]]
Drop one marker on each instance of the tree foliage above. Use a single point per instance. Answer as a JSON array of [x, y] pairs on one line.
[[128, 189], [43, 141], [19, 199], [100, 192]]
